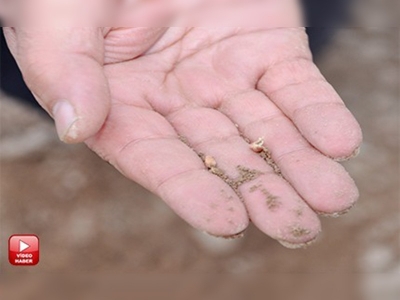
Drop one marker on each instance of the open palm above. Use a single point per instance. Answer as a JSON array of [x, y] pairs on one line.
[[183, 114]]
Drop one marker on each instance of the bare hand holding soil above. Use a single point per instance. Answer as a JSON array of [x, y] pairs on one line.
[[196, 91], [185, 109]]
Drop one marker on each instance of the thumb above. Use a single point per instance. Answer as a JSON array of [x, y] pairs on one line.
[[63, 67]]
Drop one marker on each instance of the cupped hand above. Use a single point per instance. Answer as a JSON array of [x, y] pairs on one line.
[[187, 105]]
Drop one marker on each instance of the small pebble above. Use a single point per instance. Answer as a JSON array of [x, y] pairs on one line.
[[210, 162], [257, 146]]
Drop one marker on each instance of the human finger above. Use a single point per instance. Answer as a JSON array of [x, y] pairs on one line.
[[273, 205], [323, 183], [145, 148]]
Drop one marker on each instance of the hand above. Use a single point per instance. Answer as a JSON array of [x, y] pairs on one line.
[[186, 103]]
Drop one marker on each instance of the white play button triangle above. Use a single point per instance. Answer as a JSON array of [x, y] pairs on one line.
[[23, 246]]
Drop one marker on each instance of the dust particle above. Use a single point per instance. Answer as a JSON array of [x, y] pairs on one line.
[[246, 175], [184, 140], [221, 174], [272, 201], [299, 212], [227, 197], [212, 166], [214, 205], [254, 188], [300, 232], [202, 156], [266, 155]]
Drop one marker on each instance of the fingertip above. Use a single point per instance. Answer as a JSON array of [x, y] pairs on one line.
[[76, 127], [301, 233], [66, 121], [206, 203], [64, 69], [225, 223], [345, 201], [354, 154], [341, 140], [324, 184], [230, 233], [331, 128], [279, 212]]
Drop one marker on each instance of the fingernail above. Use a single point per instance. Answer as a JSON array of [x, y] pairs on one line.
[[297, 246], [337, 214], [346, 158], [229, 237], [66, 121]]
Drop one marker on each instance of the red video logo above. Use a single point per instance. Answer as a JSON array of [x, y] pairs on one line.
[[23, 250]]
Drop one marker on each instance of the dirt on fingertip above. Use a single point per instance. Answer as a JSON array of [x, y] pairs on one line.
[[300, 232]]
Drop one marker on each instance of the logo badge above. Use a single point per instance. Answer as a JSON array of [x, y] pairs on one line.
[[23, 250]]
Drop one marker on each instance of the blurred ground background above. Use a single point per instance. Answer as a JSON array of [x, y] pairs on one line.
[[92, 220]]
